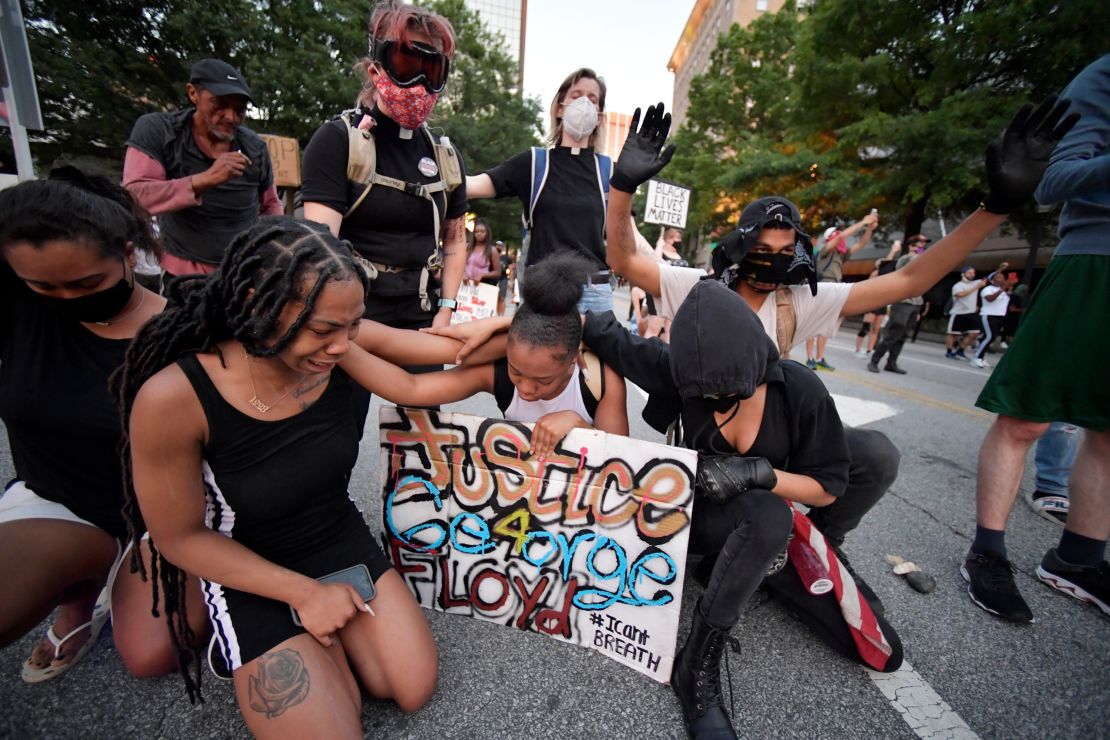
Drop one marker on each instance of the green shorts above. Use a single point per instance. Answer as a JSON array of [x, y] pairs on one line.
[[1051, 371]]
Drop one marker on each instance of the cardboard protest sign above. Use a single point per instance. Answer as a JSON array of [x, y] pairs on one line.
[[587, 546], [667, 204], [285, 153], [475, 302]]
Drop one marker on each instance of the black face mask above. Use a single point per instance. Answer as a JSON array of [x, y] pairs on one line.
[[99, 306], [677, 246], [705, 438], [766, 268]]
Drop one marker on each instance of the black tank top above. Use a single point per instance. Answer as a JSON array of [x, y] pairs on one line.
[[279, 487], [62, 422]]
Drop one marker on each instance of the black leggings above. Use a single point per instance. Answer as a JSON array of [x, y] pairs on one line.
[[749, 531]]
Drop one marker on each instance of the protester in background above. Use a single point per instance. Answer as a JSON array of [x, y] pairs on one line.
[[994, 300], [568, 211], [397, 215], [766, 258], [963, 320], [506, 261], [669, 246], [830, 269], [1053, 458], [1051, 373], [483, 260], [69, 306], [200, 170], [902, 315], [871, 324]]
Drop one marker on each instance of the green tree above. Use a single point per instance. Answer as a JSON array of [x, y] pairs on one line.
[[483, 111], [913, 92], [885, 103], [100, 64]]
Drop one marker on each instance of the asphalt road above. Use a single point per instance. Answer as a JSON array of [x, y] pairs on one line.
[[987, 678]]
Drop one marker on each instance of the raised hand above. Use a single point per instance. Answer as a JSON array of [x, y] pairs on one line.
[[643, 154], [1017, 159]]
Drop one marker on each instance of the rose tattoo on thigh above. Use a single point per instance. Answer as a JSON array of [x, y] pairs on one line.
[[282, 682]]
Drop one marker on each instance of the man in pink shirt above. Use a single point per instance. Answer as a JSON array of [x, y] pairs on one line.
[[200, 170]]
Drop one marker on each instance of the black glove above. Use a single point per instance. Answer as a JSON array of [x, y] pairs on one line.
[[721, 477], [1017, 159], [640, 158]]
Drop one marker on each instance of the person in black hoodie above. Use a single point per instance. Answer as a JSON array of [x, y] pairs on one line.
[[768, 434]]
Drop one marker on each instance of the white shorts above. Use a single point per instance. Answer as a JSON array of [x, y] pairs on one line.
[[20, 502]]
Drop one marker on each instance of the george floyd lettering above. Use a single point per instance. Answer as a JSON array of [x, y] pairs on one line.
[[667, 204], [597, 531]]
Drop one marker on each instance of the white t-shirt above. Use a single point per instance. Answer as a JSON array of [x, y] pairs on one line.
[[815, 314], [965, 305], [569, 400], [998, 306]]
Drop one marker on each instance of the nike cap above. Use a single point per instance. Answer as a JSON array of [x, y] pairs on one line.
[[219, 78]]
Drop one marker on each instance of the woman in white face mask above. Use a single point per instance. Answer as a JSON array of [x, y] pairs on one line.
[[563, 188]]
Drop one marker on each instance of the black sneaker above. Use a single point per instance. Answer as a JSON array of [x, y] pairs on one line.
[[891, 368], [990, 584], [1090, 583], [865, 591]]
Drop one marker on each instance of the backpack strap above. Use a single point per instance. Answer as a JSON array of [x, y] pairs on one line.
[[592, 381], [539, 179], [785, 320], [604, 173], [503, 388]]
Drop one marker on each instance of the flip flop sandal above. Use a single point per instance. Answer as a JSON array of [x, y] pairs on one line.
[[35, 674]]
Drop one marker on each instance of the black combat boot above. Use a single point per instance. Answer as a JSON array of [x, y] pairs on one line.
[[696, 680]]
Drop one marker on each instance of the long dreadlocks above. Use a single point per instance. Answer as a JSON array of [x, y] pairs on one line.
[[264, 269]]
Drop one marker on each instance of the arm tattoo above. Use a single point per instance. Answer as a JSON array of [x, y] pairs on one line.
[[455, 231], [281, 683]]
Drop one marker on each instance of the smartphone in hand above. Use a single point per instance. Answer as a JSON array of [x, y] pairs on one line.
[[357, 575]]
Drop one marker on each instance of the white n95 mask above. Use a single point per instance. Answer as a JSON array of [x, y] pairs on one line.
[[580, 118]]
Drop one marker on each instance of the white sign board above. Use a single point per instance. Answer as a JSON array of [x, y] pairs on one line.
[[667, 204], [475, 302], [587, 546]]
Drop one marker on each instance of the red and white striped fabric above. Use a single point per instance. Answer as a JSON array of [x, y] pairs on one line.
[[868, 636]]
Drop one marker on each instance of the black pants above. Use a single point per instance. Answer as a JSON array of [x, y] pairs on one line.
[[992, 328], [894, 333], [748, 531], [874, 467]]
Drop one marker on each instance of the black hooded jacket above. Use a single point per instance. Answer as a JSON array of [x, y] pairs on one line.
[[718, 346]]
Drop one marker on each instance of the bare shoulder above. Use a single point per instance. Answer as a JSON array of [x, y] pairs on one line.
[[168, 395]]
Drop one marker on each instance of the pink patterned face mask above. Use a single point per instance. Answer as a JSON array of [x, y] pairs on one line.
[[408, 106]]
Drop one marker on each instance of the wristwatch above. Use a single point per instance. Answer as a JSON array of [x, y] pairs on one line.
[[450, 303]]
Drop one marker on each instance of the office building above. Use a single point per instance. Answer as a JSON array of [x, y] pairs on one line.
[[707, 21], [508, 18]]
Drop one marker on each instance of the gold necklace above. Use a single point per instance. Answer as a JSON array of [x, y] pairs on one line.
[[255, 400], [117, 317]]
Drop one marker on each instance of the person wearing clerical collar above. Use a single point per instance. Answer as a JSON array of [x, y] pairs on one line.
[[564, 187]]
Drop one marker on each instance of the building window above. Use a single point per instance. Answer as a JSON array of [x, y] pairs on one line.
[[761, 5]]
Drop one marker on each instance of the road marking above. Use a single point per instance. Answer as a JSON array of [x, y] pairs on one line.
[[928, 715], [856, 412], [950, 365], [914, 396]]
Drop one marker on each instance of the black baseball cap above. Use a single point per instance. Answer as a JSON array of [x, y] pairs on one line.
[[219, 78]]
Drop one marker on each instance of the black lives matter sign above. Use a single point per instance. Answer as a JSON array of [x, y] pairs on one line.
[[667, 204]]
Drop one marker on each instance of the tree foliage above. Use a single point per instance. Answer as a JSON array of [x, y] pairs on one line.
[[100, 64], [884, 103]]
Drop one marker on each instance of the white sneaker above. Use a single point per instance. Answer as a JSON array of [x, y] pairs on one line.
[[1004, 345], [860, 354], [976, 362]]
